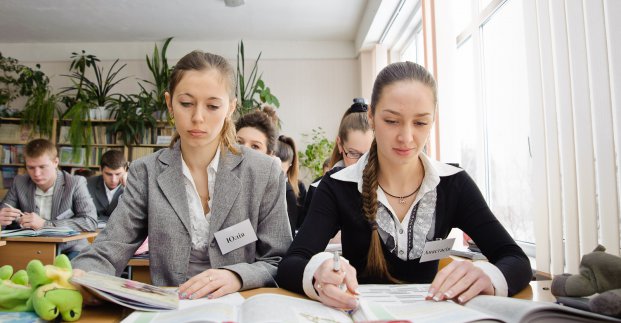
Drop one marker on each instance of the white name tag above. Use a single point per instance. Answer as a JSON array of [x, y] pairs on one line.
[[438, 249], [235, 236]]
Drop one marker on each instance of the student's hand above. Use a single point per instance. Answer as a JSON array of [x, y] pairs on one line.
[[8, 215], [123, 179], [212, 283], [460, 281], [328, 284], [32, 221], [87, 297]]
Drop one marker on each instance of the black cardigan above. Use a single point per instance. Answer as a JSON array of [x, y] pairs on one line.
[[337, 205]]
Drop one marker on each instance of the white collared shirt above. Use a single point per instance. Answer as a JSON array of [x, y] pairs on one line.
[[198, 218], [110, 193], [43, 200]]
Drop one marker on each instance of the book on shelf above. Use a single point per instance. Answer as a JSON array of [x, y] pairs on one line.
[[383, 303], [71, 156], [129, 293], [138, 152], [43, 232], [8, 175]]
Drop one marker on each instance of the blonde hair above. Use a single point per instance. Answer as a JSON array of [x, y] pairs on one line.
[[402, 71], [197, 61]]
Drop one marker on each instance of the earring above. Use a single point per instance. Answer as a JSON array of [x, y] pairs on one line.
[[171, 120]]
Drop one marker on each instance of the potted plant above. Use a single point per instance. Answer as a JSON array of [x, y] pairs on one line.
[[9, 74], [133, 116], [41, 107], [100, 90], [316, 152], [84, 95], [158, 65], [251, 90]]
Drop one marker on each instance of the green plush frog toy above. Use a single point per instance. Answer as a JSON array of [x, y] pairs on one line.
[[43, 289]]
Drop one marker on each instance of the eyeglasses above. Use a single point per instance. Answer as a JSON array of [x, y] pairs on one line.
[[352, 154]]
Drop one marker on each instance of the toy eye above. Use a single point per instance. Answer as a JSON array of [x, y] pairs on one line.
[[72, 313], [55, 310]]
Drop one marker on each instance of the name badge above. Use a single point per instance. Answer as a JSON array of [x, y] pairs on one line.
[[235, 236], [438, 249]]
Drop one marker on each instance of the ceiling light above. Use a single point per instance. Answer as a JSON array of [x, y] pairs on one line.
[[233, 3]]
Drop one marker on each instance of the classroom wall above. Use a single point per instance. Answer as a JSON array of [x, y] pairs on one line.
[[314, 81]]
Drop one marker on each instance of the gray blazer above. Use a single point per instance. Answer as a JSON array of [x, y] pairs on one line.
[[72, 205], [97, 189], [248, 186]]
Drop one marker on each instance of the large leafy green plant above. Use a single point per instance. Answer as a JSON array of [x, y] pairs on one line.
[[9, 79], [41, 107], [316, 152], [85, 94], [133, 117], [251, 90], [158, 65]]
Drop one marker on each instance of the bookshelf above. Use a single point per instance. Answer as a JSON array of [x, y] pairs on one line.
[[13, 137], [100, 143]]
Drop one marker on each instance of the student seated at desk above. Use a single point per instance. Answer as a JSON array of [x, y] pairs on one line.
[[106, 188], [184, 197], [48, 197], [392, 202]]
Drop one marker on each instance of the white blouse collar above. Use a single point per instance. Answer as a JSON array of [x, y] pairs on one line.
[[433, 171]]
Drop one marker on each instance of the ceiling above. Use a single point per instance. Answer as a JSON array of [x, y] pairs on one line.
[[68, 21]]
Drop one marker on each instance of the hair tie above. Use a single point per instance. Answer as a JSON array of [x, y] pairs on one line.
[[374, 225], [358, 106]]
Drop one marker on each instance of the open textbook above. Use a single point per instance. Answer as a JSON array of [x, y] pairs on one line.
[[377, 303], [43, 232], [129, 293]]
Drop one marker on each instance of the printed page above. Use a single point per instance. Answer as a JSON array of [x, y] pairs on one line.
[[393, 293], [128, 292], [221, 309], [514, 310], [407, 301], [265, 308]]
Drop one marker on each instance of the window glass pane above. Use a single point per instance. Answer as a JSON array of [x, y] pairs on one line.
[[483, 4], [462, 14], [471, 116], [507, 109], [420, 47]]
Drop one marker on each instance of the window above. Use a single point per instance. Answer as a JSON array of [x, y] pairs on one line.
[[494, 111]]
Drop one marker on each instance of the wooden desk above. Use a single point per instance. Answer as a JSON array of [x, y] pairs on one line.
[[138, 270], [21, 250], [536, 291]]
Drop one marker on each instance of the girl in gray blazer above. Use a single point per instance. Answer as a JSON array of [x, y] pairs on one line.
[[214, 211]]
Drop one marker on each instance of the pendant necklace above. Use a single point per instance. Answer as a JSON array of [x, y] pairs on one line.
[[401, 198]]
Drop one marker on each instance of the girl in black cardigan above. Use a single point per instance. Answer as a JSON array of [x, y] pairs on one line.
[[393, 201]]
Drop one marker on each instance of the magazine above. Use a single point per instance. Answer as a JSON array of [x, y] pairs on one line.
[[377, 303], [129, 293], [43, 232]]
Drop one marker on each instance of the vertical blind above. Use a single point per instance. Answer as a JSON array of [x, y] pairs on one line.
[[574, 58]]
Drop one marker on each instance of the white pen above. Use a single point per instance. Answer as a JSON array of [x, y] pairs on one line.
[[10, 207], [336, 262]]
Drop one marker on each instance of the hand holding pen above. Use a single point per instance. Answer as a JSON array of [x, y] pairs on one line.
[[335, 282], [8, 214]]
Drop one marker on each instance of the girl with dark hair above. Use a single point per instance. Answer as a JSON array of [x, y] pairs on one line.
[[394, 201], [184, 196], [256, 131], [296, 191], [353, 140]]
